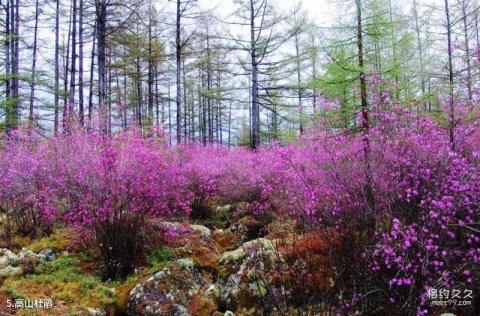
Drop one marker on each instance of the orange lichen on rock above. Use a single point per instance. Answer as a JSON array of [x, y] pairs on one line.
[[226, 239], [317, 251]]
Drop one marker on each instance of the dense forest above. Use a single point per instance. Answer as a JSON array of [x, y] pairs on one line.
[[248, 72], [239, 157]]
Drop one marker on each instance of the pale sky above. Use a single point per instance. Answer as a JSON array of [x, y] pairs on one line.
[[320, 10]]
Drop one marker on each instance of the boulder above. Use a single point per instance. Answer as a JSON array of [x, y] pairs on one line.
[[10, 271], [7, 253], [226, 239], [203, 231], [169, 292], [28, 255], [205, 302], [243, 273], [48, 254], [95, 311], [26, 259], [260, 246], [4, 261]]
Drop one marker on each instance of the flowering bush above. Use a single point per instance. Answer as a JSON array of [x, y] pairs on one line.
[[226, 176], [106, 186], [27, 194], [405, 206], [420, 232]]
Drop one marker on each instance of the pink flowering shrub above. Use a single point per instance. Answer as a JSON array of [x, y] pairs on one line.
[[105, 186], [226, 176], [404, 205], [27, 191], [112, 185], [421, 231]]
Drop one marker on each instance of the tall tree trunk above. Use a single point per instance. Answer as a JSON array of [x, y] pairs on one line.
[[71, 97], [34, 64], [92, 66], [178, 51], [185, 101], [364, 109], [80, 65], [109, 96], [420, 50], [219, 111], [169, 107], [299, 82], [314, 75], [393, 35], [467, 51], [209, 89], [101, 23], [255, 138], [7, 44], [12, 110], [65, 78], [204, 112], [124, 105], [229, 124], [150, 69], [16, 65], [157, 100], [57, 67], [451, 117], [139, 93]]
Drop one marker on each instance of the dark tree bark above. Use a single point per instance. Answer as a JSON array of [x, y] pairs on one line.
[[71, 96], [7, 54], [150, 69], [101, 33], [299, 82], [255, 141], [138, 78], [451, 116], [13, 101], [178, 51], [34, 64], [57, 67], [184, 101], [92, 66], [364, 108], [16, 66], [65, 78], [419, 48], [80, 64], [467, 51]]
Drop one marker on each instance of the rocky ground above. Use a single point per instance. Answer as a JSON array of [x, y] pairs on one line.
[[226, 268]]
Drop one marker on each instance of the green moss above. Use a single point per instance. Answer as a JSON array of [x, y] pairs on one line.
[[62, 280], [159, 258], [58, 241]]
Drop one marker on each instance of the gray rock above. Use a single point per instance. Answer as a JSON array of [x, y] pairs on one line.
[[25, 258], [261, 246], [28, 255], [242, 272], [10, 271], [95, 311], [168, 292], [4, 261], [4, 252], [202, 230], [48, 254]]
